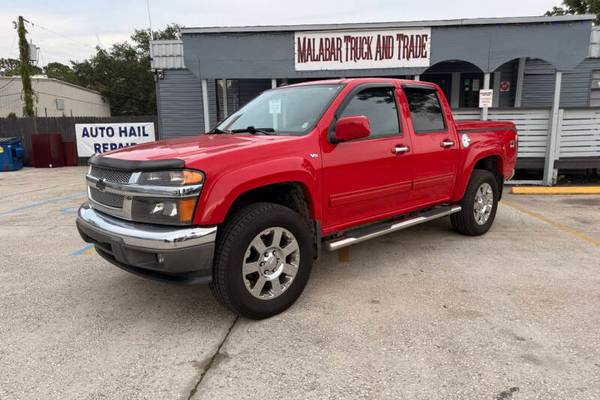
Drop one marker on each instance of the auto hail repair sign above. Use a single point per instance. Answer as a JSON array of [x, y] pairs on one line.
[[100, 138], [399, 48]]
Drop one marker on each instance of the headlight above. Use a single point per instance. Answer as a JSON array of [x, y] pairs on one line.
[[163, 210], [167, 210], [171, 178]]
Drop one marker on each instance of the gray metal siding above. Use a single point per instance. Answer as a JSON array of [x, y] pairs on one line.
[[538, 84], [252, 55], [180, 104]]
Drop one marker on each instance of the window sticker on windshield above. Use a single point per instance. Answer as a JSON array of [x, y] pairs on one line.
[[275, 106]]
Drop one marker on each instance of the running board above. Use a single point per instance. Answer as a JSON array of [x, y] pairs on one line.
[[361, 234]]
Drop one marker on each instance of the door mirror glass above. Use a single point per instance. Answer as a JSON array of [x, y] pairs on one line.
[[351, 127]]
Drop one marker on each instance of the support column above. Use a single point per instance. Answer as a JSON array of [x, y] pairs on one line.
[[486, 85], [205, 105], [273, 83], [520, 79], [417, 77], [496, 98], [455, 90], [549, 170], [224, 95]]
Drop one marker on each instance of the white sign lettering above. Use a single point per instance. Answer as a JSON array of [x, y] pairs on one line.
[[100, 138], [399, 48], [485, 98]]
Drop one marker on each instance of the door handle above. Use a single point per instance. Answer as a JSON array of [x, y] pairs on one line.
[[447, 143], [400, 149]]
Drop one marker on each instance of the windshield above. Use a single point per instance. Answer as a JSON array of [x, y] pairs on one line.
[[285, 111]]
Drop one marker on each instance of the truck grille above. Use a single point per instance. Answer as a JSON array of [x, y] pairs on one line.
[[107, 199], [111, 175]]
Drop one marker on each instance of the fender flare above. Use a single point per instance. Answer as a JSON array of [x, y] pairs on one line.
[[465, 176], [222, 191]]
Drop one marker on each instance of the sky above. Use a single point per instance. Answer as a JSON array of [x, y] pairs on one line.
[[67, 30]]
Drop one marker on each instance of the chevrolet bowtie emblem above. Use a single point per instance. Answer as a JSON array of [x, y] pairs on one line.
[[101, 185]]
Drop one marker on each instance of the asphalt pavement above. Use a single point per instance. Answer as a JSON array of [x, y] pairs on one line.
[[420, 314]]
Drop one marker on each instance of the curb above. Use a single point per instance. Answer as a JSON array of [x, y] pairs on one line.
[[555, 190]]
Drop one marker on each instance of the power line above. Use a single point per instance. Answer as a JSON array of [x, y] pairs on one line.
[[35, 24], [8, 83]]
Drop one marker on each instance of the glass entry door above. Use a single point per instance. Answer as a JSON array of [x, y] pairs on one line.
[[470, 85]]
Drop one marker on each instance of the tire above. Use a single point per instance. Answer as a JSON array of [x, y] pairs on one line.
[[237, 256], [465, 221]]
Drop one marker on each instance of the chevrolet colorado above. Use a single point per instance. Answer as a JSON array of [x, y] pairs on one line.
[[248, 206]]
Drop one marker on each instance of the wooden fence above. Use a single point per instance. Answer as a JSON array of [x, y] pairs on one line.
[[27, 127], [578, 130]]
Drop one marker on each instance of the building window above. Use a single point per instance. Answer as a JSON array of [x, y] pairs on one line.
[[595, 89]]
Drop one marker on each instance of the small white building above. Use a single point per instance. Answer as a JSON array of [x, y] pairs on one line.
[[51, 98]]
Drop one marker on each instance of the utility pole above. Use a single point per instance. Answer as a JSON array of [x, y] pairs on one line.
[[24, 69]]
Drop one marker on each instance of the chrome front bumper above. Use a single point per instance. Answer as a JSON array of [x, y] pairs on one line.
[[182, 255]]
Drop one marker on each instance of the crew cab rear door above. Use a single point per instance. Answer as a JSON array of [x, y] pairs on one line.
[[435, 147], [365, 179]]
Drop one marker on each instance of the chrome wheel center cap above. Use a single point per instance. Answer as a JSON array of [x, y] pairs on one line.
[[271, 263]]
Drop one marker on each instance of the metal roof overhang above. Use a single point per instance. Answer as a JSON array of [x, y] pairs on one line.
[[262, 52]]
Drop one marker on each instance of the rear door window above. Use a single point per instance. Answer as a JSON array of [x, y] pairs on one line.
[[425, 110]]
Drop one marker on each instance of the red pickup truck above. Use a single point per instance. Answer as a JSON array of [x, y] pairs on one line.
[[248, 206]]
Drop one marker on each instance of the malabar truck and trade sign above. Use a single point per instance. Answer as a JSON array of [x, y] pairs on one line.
[[360, 50]]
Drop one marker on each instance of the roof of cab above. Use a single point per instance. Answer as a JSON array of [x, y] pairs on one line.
[[356, 81]]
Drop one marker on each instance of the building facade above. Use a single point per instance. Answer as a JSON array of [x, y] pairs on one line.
[[546, 63], [52, 98]]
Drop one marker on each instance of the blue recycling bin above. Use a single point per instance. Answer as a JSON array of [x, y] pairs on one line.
[[12, 154]]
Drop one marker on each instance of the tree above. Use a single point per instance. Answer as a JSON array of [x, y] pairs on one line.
[[11, 67], [61, 72], [122, 73], [24, 70], [578, 7]]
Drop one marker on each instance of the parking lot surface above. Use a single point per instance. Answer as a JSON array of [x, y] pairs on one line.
[[420, 314]]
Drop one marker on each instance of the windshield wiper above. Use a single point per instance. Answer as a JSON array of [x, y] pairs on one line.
[[252, 130], [217, 131]]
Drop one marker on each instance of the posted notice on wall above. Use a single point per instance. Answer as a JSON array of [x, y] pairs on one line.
[[398, 48], [100, 138], [485, 98]]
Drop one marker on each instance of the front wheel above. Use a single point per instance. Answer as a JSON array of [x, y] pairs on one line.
[[263, 260], [479, 205]]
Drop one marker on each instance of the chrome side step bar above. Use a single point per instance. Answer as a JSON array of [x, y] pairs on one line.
[[373, 231]]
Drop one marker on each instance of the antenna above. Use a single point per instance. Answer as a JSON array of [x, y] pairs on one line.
[[149, 19]]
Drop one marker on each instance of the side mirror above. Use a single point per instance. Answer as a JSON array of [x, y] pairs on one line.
[[351, 127]]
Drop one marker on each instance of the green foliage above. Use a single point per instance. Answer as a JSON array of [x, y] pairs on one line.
[[60, 71], [578, 7], [122, 73], [11, 115], [24, 69], [12, 66]]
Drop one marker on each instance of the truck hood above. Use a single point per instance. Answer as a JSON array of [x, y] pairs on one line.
[[196, 148]]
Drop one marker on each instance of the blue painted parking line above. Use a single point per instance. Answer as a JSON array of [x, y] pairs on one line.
[[41, 203], [69, 210], [84, 250]]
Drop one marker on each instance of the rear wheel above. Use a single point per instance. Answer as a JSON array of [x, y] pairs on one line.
[[479, 205], [263, 260]]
